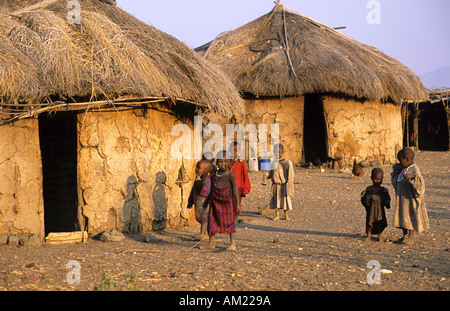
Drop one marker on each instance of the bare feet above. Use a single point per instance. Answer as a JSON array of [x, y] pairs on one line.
[[208, 246], [201, 237], [232, 247], [277, 215], [408, 240]]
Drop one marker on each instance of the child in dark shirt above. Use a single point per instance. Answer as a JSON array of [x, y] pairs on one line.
[[375, 198]]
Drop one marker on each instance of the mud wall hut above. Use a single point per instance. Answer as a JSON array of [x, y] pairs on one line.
[[86, 112], [330, 94]]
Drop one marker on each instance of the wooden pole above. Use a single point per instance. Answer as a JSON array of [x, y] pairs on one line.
[[60, 106], [407, 126], [286, 45], [416, 126]]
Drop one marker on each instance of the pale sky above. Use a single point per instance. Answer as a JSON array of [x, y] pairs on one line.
[[416, 32]]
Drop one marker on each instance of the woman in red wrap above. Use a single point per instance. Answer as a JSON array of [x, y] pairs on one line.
[[239, 169]]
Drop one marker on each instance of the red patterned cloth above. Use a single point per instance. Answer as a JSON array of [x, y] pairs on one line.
[[222, 212]]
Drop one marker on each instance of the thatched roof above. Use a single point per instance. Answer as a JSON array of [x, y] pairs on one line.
[[110, 56], [284, 53]]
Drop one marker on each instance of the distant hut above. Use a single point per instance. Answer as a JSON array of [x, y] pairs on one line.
[[86, 113], [330, 94], [427, 123]]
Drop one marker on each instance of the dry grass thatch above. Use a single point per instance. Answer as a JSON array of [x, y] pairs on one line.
[[109, 55], [284, 53]]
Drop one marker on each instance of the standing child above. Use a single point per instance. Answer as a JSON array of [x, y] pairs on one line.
[[199, 194], [375, 198], [224, 203], [282, 183], [411, 212], [239, 170]]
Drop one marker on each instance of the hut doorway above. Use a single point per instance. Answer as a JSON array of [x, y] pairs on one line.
[[314, 130], [433, 127], [58, 142]]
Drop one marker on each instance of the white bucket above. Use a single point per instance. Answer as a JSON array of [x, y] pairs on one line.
[[253, 165]]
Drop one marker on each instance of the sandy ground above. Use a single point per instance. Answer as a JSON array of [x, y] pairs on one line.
[[322, 247]]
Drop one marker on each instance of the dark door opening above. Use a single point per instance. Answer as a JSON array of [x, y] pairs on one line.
[[314, 130], [433, 127], [58, 142]]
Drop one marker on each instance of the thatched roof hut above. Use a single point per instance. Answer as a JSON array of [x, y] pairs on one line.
[[87, 113], [330, 93], [285, 53], [110, 55]]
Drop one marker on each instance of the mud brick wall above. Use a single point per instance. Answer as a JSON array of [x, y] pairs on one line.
[[127, 174], [21, 198], [362, 130], [369, 130], [287, 113]]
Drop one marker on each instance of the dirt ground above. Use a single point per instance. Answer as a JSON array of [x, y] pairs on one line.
[[322, 247]]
